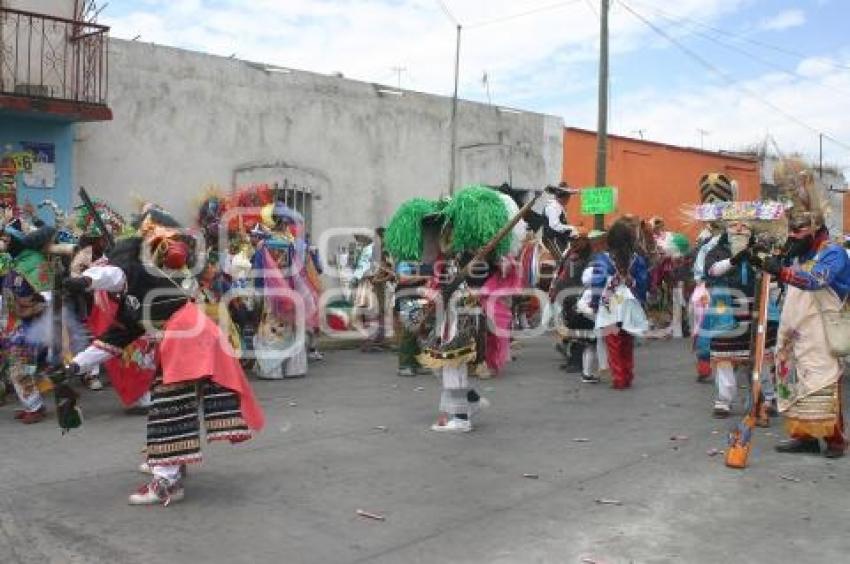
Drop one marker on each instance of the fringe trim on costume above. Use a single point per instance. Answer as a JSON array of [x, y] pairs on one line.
[[738, 359], [155, 450], [232, 436], [567, 333], [177, 460], [433, 359], [815, 428]]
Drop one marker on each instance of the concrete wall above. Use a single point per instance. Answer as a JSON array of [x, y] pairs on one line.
[[185, 121]]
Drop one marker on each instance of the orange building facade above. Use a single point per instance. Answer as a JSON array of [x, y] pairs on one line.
[[653, 179]]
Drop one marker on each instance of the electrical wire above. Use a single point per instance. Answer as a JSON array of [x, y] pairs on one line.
[[770, 64], [731, 81], [522, 14], [740, 36], [446, 11]]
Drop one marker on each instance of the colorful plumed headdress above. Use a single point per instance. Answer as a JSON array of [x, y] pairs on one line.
[[797, 185], [210, 212], [403, 238], [247, 205], [86, 226], [476, 214]]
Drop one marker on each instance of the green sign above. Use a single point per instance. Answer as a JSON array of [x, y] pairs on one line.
[[600, 200]]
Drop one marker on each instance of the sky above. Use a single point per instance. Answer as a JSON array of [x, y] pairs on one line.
[[718, 74]]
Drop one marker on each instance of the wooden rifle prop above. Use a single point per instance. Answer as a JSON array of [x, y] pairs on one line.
[[98, 221], [741, 437], [68, 415], [482, 254]]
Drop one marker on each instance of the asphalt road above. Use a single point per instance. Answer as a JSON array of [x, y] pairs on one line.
[[353, 435]]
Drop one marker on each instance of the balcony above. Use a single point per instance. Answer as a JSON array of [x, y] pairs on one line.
[[53, 65]]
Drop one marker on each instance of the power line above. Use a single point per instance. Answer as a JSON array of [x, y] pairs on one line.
[[522, 14], [770, 64], [730, 79], [446, 11], [740, 36]]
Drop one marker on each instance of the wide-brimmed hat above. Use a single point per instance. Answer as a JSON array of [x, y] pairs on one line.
[[561, 190]]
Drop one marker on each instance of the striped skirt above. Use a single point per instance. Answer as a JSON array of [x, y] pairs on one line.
[[174, 420]]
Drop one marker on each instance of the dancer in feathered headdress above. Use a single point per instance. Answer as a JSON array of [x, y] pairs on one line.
[[713, 187], [817, 274], [474, 237]]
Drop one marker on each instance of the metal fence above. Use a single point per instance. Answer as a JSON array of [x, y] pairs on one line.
[[49, 57]]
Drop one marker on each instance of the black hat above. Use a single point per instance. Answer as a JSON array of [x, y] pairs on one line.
[[561, 190]]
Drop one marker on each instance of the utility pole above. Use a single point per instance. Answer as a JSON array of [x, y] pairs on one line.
[[702, 134], [820, 159], [602, 121], [454, 117], [398, 71]]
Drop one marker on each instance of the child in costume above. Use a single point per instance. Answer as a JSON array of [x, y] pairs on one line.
[[620, 280]]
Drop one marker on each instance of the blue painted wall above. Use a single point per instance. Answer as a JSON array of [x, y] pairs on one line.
[[17, 129]]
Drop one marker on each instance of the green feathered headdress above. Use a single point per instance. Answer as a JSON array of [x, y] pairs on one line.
[[403, 238], [476, 214]]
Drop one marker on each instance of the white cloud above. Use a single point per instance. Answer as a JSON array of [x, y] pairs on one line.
[[737, 117], [785, 19]]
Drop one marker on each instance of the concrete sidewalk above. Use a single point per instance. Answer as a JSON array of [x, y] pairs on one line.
[[353, 435]]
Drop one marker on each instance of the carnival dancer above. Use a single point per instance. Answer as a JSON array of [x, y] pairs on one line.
[[91, 246], [410, 276], [713, 187], [475, 222], [412, 240], [369, 277], [313, 271], [732, 281], [576, 334], [619, 280], [194, 371], [27, 296], [809, 373], [557, 231]]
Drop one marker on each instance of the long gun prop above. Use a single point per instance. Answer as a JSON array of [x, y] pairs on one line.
[[490, 246], [98, 221], [741, 437]]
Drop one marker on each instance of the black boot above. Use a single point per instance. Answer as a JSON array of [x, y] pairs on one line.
[[798, 445]]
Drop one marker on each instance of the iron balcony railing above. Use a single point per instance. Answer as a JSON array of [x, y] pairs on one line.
[[49, 57]]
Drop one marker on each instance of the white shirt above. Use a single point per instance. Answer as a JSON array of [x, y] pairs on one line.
[[553, 211]]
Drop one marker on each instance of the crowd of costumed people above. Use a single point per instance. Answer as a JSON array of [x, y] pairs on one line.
[[452, 284]]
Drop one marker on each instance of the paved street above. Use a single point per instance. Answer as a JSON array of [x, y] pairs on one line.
[[354, 436]]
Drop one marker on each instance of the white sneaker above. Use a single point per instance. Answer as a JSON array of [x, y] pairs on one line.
[[454, 425], [721, 409], [475, 407], [315, 355], [93, 383], [145, 468], [158, 491]]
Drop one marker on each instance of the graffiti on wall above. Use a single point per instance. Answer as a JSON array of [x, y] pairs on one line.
[[26, 164], [42, 171]]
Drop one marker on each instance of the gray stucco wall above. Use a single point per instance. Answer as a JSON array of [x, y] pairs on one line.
[[185, 121]]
